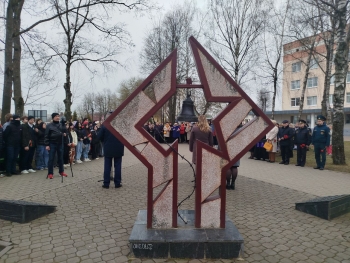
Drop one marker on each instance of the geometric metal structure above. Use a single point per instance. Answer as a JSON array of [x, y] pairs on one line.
[[127, 121], [212, 164]]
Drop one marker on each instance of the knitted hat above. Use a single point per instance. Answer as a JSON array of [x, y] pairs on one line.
[[53, 115]]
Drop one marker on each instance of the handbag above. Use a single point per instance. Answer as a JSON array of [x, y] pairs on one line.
[[268, 146]]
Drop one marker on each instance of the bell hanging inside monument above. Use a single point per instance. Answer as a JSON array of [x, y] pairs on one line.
[[187, 111]]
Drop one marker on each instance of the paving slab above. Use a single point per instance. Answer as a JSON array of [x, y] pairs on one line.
[[93, 224]]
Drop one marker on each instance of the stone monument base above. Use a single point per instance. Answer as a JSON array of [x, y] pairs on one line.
[[186, 241]]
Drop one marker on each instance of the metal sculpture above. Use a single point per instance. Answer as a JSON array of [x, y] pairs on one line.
[[127, 121]]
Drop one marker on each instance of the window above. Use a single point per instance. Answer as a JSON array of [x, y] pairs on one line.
[[313, 64], [295, 84], [312, 82], [331, 99], [348, 77], [347, 118], [312, 101], [332, 80], [296, 67], [308, 118], [347, 97], [295, 102]]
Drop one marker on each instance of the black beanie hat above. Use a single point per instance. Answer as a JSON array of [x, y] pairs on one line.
[[30, 117], [53, 115], [15, 117]]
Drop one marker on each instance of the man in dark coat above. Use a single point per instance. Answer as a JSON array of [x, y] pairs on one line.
[[54, 138], [28, 146], [113, 149], [320, 140], [285, 135], [12, 138], [302, 139]]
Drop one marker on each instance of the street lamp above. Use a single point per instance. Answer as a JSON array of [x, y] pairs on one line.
[[264, 99], [92, 110]]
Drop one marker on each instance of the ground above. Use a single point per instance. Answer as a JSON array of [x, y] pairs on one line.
[[93, 224]]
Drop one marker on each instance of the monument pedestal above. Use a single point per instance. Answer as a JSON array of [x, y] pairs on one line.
[[186, 241]]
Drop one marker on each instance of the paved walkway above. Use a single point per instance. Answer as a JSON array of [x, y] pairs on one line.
[[92, 224]]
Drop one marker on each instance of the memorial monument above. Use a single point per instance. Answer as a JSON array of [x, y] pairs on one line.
[[209, 233]]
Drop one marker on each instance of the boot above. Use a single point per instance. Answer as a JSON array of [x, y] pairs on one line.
[[273, 157], [228, 187], [233, 186]]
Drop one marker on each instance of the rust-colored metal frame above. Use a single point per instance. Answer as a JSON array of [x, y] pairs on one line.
[[233, 101], [139, 126]]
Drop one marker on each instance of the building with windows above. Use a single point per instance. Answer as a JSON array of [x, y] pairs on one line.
[[294, 67]]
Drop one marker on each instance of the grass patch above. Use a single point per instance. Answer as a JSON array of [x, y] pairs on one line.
[[311, 162]]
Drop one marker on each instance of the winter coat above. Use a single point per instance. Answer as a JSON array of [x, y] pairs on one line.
[[40, 135], [321, 135], [28, 136], [112, 147], [302, 136], [182, 129], [167, 131], [176, 131], [287, 134], [74, 137], [94, 136], [54, 133], [12, 134], [86, 135], [272, 136], [197, 134], [188, 131]]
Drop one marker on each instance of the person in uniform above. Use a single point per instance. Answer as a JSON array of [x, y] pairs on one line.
[[320, 140], [285, 135], [302, 140]]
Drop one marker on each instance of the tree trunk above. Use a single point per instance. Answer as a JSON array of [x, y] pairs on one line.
[[340, 62], [17, 51], [8, 71], [172, 108], [275, 80], [326, 109], [68, 100], [302, 97]]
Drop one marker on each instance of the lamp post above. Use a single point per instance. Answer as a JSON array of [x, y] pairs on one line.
[[92, 111], [264, 98]]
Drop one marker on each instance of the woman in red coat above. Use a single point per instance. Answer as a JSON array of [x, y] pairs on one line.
[[201, 132]]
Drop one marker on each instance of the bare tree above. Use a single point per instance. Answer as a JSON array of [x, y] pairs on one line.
[[274, 37], [234, 27], [173, 31], [12, 67], [338, 11], [57, 106]]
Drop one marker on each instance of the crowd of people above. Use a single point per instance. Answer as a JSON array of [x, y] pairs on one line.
[[61, 143], [26, 140], [169, 132], [286, 137]]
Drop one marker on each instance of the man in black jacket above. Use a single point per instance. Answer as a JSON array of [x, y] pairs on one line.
[[12, 137], [285, 135], [113, 149], [54, 138], [28, 146], [302, 139]]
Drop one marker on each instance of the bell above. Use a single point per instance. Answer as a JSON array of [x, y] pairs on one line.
[[187, 110]]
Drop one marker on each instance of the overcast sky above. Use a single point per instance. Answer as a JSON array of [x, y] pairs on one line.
[[137, 26]]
